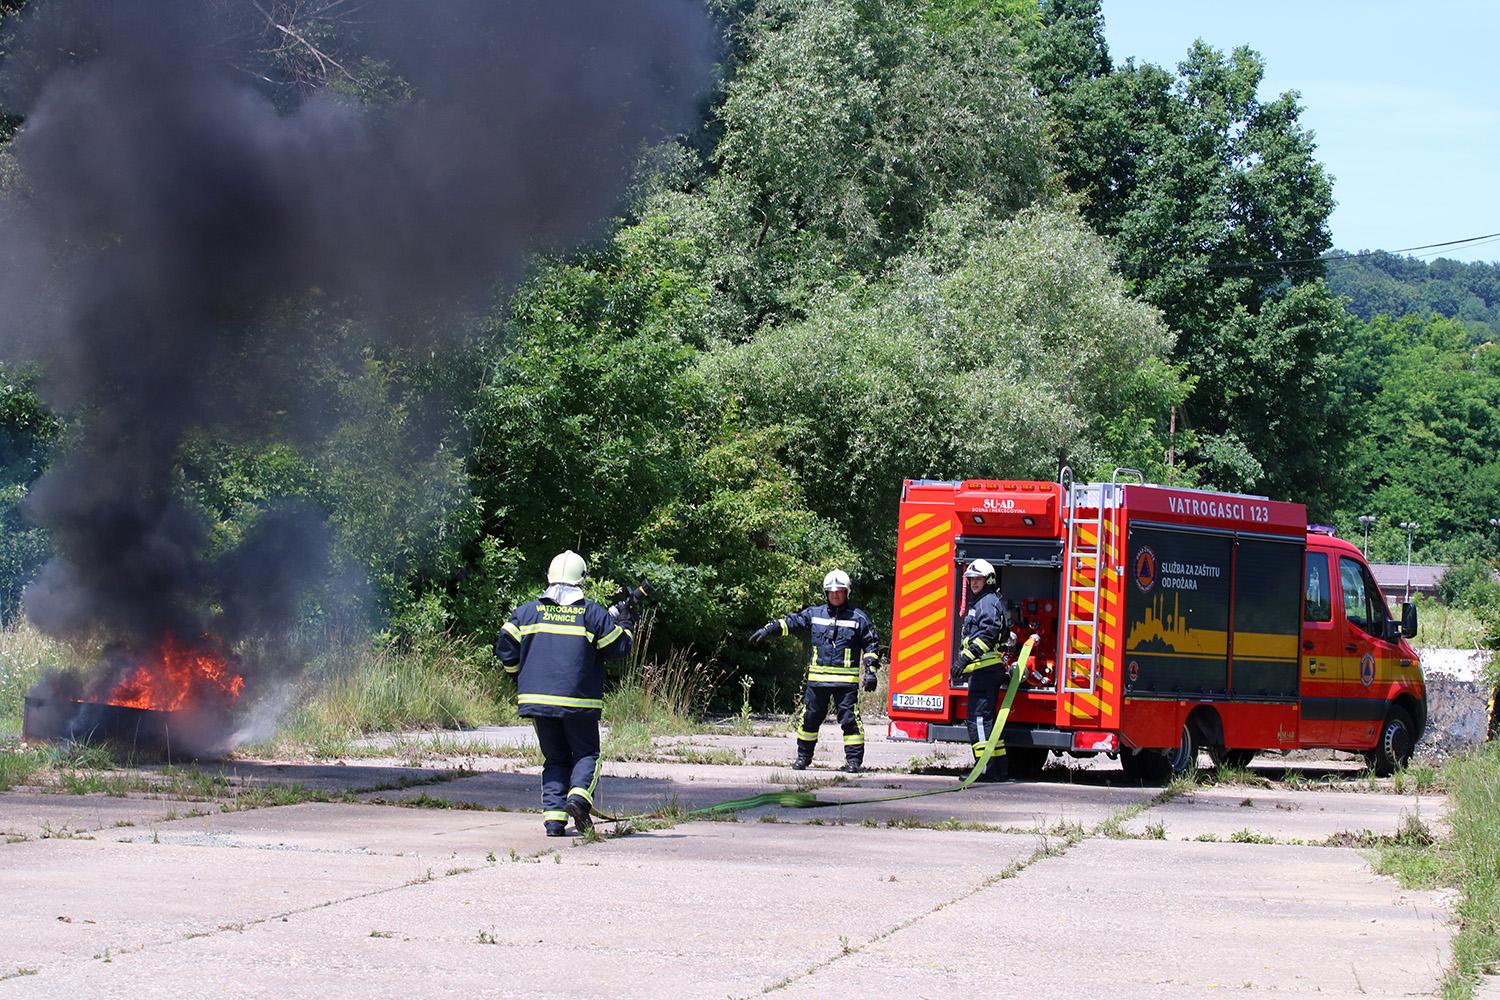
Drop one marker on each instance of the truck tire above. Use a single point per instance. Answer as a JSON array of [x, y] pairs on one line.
[[1183, 758], [1393, 751], [1157, 767]]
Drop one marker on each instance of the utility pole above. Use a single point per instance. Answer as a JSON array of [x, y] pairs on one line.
[[1410, 527], [1365, 520]]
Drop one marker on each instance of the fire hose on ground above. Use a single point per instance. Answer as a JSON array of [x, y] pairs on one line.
[[808, 800]]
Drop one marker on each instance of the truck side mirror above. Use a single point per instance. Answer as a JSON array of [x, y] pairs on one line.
[[1409, 620]]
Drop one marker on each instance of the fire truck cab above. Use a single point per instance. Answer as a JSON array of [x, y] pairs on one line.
[[1168, 621]]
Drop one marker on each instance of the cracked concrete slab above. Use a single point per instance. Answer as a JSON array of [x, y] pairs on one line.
[[331, 779], [83, 897], [1140, 920], [380, 900], [37, 815], [438, 837], [700, 910], [1285, 814]]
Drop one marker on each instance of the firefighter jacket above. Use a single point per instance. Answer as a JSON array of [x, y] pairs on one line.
[[843, 641], [986, 635], [556, 652]]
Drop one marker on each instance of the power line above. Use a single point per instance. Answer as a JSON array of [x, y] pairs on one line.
[[1286, 261]]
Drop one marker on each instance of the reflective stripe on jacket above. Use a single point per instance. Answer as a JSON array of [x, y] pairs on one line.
[[556, 652], [985, 633], [843, 641]]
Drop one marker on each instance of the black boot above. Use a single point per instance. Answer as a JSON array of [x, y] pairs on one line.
[[852, 766], [555, 827], [578, 807], [800, 764]]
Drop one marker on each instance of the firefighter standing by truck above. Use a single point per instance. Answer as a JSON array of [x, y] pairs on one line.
[[986, 640], [555, 647], [843, 648]]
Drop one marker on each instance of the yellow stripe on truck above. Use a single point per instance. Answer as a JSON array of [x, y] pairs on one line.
[[921, 582], [918, 626], [922, 602], [917, 668], [925, 536]]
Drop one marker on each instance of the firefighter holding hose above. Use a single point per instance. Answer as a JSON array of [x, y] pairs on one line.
[[555, 648], [843, 653], [987, 638]]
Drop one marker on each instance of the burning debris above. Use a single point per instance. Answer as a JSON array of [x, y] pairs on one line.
[[177, 701], [184, 193]]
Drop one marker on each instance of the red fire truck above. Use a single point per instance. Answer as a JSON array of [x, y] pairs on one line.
[[1168, 621]]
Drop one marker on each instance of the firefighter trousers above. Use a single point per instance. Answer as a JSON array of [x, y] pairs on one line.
[[984, 704], [570, 761], [845, 698]]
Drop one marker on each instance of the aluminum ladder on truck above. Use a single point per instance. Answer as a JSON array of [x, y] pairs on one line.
[[1086, 546]]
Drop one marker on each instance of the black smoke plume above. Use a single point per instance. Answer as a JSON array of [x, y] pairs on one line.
[[181, 182]]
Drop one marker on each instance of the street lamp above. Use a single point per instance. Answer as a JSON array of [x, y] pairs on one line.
[[1410, 527], [1365, 520]]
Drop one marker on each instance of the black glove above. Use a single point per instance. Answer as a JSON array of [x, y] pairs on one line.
[[763, 633], [869, 684]]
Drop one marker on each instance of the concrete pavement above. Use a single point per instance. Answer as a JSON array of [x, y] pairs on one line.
[[446, 887]]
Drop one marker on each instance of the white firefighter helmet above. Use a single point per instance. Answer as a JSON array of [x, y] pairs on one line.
[[981, 567], [836, 579], [567, 567]]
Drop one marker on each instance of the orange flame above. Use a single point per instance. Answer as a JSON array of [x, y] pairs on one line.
[[176, 677]]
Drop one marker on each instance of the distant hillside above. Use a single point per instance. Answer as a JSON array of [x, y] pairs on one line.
[[1384, 283]]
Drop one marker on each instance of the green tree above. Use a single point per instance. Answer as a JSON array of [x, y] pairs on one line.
[[845, 124], [1198, 181], [994, 350], [1430, 448], [28, 434]]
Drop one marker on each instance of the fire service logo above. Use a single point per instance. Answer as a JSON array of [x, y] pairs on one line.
[[1367, 669], [1145, 569]]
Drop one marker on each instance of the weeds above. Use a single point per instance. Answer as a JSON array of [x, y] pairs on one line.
[[665, 696], [25, 655], [18, 765], [1245, 835], [1474, 816], [744, 725], [357, 688]]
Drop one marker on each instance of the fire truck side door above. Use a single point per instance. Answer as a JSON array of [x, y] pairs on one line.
[[1365, 614], [1322, 655]]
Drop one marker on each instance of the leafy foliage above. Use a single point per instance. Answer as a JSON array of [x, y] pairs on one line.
[[1198, 181], [952, 239], [998, 350], [1383, 284]]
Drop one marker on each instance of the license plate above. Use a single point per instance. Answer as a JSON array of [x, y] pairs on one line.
[[920, 702]]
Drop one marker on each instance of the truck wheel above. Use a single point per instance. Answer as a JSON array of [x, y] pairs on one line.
[[1236, 760], [1183, 758], [1393, 752], [1027, 762]]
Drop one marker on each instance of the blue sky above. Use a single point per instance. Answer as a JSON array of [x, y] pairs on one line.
[[1404, 99]]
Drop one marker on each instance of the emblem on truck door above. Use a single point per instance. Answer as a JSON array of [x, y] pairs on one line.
[[1367, 669], [1145, 569]]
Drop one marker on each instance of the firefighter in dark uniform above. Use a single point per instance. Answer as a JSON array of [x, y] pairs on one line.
[[555, 648], [987, 638], [843, 648]]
